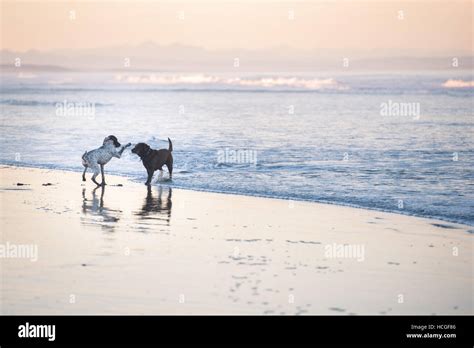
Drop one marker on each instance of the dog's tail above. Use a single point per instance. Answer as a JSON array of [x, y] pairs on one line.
[[170, 147], [84, 162]]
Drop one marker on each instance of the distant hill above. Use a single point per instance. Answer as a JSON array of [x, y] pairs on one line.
[[150, 56], [32, 68]]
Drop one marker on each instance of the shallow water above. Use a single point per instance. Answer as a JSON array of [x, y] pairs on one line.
[[312, 137]]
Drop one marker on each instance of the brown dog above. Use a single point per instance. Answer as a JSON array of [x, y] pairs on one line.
[[155, 159]]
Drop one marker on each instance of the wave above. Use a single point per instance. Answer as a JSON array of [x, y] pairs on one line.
[[255, 83], [23, 75], [451, 83], [123, 82], [18, 102]]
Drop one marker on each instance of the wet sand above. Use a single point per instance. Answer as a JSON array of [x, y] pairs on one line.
[[127, 249]]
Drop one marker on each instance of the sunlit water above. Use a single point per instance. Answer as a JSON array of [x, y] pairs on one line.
[[318, 138]]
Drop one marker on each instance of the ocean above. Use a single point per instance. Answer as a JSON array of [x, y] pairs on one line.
[[399, 142]]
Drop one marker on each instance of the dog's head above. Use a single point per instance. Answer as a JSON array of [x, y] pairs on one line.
[[141, 149], [111, 139]]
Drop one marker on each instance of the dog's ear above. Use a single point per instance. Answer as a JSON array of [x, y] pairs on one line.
[[140, 149], [115, 140], [112, 139], [144, 148]]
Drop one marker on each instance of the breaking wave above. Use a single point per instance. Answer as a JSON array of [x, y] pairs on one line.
[[233, 82], [458, 84]]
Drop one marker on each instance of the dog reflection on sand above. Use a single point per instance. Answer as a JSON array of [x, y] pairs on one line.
[[155, 212], [158, 208], [100, 214]]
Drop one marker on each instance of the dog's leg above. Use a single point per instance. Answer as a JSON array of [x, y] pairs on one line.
[[150, 176], [84, 174], [93, 179], [103, 176], [119, 153], [169, 164], [96, 173]]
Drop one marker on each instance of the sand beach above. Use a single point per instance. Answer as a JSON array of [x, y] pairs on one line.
[[129, 249]]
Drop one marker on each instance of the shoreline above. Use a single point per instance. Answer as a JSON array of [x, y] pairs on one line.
[[129, 249], [233, 193]]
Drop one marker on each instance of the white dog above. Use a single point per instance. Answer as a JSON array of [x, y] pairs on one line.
[[101, 156]]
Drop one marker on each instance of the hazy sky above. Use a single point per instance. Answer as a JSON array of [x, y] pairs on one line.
[[423, 27]]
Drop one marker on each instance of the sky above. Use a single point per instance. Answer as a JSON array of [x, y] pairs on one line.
[[407, 27]]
